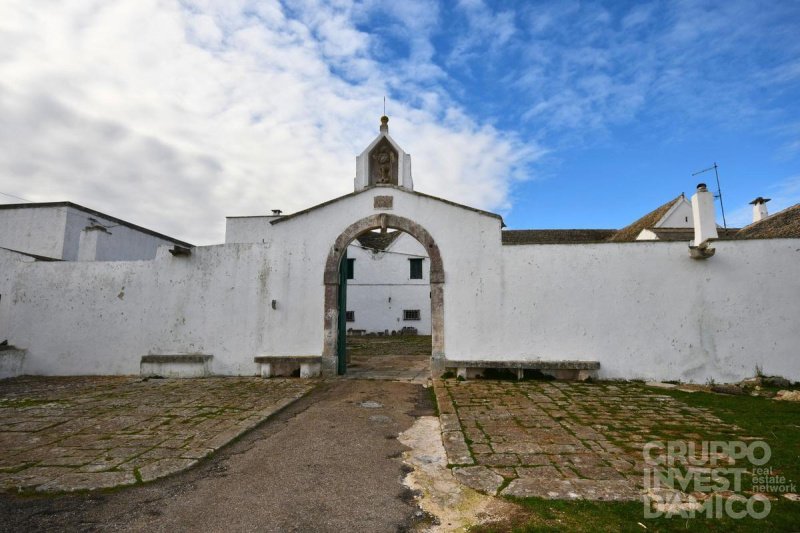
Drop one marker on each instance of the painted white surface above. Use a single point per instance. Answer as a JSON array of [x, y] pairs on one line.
[[644, 310], [404, 179], [679, 216], [382, 287], [11, 363], [60, 233], [34, 231], [704, 214], [117, 243], [247, 229], [760, 211]]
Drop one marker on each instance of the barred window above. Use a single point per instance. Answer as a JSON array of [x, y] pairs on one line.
[[411, 314], [349, 316]]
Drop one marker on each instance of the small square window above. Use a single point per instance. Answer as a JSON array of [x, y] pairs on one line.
[[349, 316], [351, 268], [411, 314], [415, 266]]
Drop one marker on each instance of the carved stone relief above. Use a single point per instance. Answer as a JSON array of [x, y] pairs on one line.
[[383, 164]]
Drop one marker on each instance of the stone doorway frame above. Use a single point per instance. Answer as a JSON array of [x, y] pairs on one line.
[[331, 281]]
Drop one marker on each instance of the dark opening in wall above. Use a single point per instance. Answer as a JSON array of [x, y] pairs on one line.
[[411, 314], [415, 266]]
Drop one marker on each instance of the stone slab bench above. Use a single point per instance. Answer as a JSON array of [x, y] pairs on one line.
[[269, 366], [11, 361], [176, 366], [569, 370]]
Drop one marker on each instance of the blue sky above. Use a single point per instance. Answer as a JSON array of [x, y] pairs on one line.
[[173, 114]]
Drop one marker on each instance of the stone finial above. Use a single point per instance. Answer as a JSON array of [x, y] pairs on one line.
[[384, 124]]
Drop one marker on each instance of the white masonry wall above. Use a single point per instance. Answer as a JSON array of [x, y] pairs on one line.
[[101, 317], [59, 232], [118, 243], [37, 231], [679, 217], [644, 310], [382, 288]]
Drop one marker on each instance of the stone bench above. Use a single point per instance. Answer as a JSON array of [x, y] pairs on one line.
[[11, 361], [176, 366], [269, 366], [569, 370]]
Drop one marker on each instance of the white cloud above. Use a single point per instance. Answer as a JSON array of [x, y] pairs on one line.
[[173, 115]]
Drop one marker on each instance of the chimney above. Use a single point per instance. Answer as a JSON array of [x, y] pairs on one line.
[[705, 219], [759, 208]]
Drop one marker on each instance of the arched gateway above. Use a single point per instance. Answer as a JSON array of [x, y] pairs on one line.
[[331, 279]]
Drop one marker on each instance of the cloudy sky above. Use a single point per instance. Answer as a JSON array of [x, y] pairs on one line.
[[173, 114]]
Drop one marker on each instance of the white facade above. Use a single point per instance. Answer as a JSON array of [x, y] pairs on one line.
[[679, 215], [382, 291], [642, 309], [69, 232]]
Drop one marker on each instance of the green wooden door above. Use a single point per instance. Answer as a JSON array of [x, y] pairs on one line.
[[341, 343]]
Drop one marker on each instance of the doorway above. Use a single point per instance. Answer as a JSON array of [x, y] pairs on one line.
[[335, 352]]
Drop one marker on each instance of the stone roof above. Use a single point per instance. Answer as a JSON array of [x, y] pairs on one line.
[[687, 234], [378, 241], [555, 236], [782, 225], [630, 232]]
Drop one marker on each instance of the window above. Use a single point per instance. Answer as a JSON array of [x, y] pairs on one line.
[[416, 268], [411, 314], [351, 268], [349, 316]]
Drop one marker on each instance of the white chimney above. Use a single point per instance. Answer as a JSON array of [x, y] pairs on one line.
[[759, 208], [705, 218]]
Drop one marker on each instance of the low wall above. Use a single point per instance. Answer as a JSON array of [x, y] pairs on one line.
[[646, 310], [643, 310]]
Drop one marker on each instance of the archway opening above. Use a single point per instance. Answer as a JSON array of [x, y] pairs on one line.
[[425, 314], [387, 327]]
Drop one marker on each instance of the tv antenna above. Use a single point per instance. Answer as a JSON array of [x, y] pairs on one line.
[[719, 191]]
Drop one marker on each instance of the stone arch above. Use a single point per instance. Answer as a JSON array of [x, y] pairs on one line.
[[331, 281]]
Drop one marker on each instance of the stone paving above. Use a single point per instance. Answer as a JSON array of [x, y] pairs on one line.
[[393, 357], [560, 440], [75, 433], [411, 368]]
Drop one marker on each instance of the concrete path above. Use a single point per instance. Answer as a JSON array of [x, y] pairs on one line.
[[329, 462]]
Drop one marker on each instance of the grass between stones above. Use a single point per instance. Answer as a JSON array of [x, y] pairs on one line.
[[775, 422]]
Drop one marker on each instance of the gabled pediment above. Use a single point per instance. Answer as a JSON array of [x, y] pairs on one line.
[[383, 162]]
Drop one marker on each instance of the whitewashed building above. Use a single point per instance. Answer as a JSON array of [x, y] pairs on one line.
[[388, 289], [271, 295], [63, 231]]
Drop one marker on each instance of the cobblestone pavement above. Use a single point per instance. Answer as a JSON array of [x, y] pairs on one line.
[[392, 357], [73, 433], [412, 368], [560, 440]]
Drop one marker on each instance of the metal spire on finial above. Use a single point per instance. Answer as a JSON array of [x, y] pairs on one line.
[[384, 119]]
